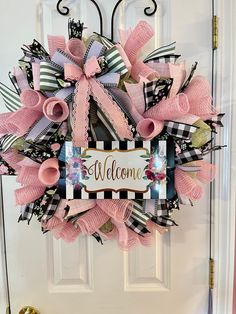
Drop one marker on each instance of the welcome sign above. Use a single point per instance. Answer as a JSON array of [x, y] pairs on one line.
[[117, 170]]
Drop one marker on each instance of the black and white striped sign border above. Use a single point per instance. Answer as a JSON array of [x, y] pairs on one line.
[[124, 194]]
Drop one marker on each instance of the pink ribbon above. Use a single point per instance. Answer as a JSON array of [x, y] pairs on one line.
[[136, 40], [49, 173], [188, 185], [87, 85]]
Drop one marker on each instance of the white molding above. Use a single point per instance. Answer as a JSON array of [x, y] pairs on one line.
[[224, 186], [158, 279], [3, 281], [57, 282]]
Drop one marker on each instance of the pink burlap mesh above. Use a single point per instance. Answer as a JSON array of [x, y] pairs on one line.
[[175, 71], [147, 239], [79, 206], [56, 42], [196, 193], [149, 128], [60, 212], [3, 126], [122, 233], [119, 210], [21, 78], [56, 230], [187, 186], [133, 241], [76, 50], [135, 92], [27, 162], [199, 96], [162, 68], [141, 34], [32, 99], [12, 157], [178, 73], [21, 120], [69, 233], [140, 69], [188, 119], [207, 171], [55, 109], [28, 194], [49, 173], [128, 103], [29, 176], [92, 220], [169, 109], [51, 224]]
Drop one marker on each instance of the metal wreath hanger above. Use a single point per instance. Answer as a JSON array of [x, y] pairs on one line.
[[148, 11]]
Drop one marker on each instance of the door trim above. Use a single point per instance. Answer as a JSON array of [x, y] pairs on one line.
[[224, 185], [4, 289]]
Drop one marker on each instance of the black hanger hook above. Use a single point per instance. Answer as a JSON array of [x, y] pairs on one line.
[[67, 10]]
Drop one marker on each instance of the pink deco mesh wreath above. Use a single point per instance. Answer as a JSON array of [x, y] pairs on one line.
[[95, 89]]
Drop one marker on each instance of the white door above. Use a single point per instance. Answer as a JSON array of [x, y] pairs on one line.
[[85, 277]]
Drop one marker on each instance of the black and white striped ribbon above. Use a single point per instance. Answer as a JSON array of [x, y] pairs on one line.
[[11, 98], [172, 58], [14, 83], [48, 79], [7, 141], [115, 62], [136, 226], [161, 52]]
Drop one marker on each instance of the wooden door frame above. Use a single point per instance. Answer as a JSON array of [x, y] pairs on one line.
[[224, 185], [4, 293]]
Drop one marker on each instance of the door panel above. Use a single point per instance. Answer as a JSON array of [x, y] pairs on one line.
[[172, 275]]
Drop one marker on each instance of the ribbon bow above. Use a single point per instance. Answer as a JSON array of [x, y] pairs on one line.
[[90, 71]]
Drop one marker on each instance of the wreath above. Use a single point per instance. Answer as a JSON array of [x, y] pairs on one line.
[[88, 90]]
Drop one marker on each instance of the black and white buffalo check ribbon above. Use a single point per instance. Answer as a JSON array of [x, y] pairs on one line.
[[136, 226], [188, 156], [52, 207], [27, 212], [163, 211], [180, 130], [155, 91]]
